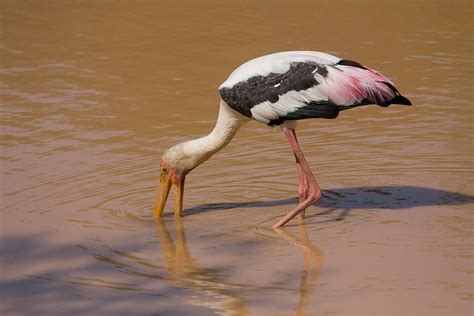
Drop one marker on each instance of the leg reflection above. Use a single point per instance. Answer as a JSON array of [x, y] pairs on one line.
[[312, 262]]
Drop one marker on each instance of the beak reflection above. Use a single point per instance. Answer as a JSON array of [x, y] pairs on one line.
[[187, 273]]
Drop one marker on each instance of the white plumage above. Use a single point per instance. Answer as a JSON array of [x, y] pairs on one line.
[[288, 102], [275, 63]]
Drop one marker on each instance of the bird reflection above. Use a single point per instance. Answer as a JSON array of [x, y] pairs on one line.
[[185, 272], [312, 262]]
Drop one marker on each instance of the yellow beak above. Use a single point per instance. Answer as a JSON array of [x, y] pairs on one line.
[[169, 178]]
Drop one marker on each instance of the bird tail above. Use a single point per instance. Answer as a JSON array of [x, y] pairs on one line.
[[400, 99]]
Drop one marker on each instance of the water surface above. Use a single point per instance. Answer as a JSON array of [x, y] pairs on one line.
[[93, 93]]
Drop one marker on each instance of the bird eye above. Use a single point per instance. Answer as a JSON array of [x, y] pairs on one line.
[[164, 171]]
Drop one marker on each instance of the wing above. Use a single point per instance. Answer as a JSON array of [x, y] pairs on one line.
[[306, 88]]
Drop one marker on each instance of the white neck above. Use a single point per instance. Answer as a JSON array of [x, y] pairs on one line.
[[188, 155]]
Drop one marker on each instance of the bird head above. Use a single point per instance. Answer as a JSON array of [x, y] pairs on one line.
[[176, 163], [169, 177]]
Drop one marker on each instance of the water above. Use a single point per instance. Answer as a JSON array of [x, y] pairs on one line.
[[94, 92]]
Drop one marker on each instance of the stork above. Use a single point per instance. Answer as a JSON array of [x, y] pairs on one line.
[[277, 90]]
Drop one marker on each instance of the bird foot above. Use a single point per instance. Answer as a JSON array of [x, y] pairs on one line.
[[313, 197]]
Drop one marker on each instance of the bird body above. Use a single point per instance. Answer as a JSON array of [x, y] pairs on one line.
[[298, 85], [276, 90]]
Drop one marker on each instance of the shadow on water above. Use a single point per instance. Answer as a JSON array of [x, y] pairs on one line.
[[102, 278], [348, 199], [82, 278]]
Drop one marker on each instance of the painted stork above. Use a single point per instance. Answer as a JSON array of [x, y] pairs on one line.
[[277, 90]]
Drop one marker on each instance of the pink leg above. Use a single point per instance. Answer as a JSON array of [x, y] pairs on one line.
[[310, 192], [303, 183], [302, 186]]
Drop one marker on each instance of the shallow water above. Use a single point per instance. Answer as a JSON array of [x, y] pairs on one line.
[[94, 92]]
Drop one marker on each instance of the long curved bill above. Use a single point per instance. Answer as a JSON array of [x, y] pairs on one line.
[[169, 178]]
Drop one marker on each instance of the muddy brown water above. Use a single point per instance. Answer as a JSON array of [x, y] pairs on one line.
[[94, 91]]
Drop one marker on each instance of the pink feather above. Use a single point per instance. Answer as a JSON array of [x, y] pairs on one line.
[[347, 85]]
